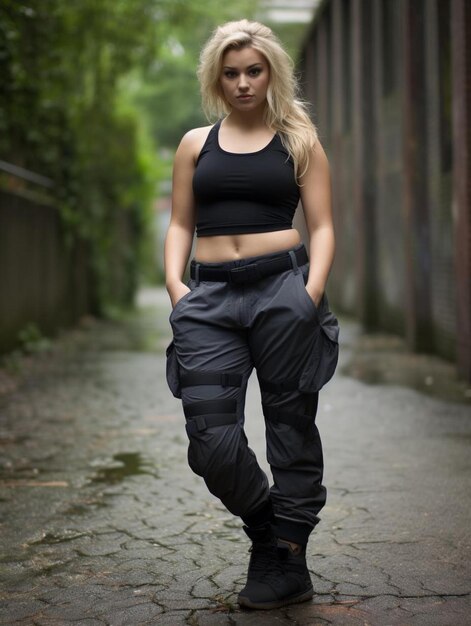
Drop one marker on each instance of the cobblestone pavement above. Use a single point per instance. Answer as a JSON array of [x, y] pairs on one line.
[[102, 522]]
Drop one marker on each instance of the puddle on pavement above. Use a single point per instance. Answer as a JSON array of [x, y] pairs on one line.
[[125, 464], [384, 359]]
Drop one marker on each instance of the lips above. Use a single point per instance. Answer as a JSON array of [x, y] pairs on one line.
[[244, 97]]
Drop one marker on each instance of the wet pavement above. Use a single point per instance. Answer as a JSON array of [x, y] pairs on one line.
[[103, 523]]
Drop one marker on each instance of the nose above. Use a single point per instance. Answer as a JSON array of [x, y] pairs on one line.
[[243, 82]]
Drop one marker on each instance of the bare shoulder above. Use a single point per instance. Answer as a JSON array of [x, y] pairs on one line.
[[319, 155], [197, 134], [193, 141]]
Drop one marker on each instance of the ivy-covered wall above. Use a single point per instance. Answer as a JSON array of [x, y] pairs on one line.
[[60, 116]]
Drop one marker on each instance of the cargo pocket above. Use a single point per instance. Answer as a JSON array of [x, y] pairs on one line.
[[173, 373], [324, 351]]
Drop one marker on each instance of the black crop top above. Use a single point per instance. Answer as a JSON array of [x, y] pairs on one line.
[[252, 192]]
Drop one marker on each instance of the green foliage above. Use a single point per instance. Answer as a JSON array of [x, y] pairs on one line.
[[32, 340], [61, 63], [291, 36], [91, 93]]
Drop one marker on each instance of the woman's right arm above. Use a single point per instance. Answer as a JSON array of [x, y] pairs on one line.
[[179, 238]]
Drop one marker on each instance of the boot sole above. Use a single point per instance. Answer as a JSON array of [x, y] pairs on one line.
[[276, 604]]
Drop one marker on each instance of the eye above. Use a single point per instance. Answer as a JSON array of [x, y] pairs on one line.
[[255, 71], [230, 74]]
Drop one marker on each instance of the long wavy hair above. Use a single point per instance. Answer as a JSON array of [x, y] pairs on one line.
[[285, 112]]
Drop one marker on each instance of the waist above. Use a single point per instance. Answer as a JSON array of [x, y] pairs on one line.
[[250, 269], [221, 248]]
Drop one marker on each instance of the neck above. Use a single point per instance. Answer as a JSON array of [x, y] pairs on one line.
[[246, 120]]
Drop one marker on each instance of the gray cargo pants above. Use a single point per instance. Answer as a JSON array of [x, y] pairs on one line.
[[222, 329]]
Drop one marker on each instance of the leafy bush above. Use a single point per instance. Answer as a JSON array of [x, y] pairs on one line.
[[58, 116]]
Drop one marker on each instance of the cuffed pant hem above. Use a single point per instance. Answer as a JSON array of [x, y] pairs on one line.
[[296, 532]]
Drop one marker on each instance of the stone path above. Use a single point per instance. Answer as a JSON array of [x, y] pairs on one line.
[[103, 523]]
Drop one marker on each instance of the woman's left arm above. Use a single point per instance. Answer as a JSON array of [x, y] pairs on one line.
[[316, 198]]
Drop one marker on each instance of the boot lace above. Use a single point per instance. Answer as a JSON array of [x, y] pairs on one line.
[[264, 562]]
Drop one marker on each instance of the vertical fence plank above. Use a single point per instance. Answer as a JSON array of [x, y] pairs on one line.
[[461, 61]]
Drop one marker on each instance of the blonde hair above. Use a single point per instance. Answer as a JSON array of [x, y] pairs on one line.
[[285, 113]]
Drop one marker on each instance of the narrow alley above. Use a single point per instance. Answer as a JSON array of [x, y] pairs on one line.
[[102, 521]]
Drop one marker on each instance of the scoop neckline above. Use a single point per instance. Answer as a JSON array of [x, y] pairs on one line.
[[218, 126]]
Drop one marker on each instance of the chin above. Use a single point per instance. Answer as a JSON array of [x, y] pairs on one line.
[[246, 106]]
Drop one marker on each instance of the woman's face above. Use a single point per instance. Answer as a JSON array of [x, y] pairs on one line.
[[244, 80]]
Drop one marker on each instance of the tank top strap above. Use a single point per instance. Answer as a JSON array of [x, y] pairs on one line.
[[211, 140]]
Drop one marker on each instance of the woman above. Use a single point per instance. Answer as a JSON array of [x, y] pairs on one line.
[[253, 300]]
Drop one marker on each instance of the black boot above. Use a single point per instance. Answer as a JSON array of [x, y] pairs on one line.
[[269, 586], [293, 561]]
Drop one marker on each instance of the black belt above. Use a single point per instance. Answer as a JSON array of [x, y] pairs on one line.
[[249, 273]]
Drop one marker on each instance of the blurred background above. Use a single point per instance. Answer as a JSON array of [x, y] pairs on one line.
[[95, 96]]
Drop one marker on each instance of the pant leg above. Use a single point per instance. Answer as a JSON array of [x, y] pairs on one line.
[[214, 364], [284, 335]]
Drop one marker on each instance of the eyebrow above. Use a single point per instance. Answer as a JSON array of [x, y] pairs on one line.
[[229, 67]]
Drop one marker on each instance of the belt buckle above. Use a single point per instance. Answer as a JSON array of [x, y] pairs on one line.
[[245, 274]]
